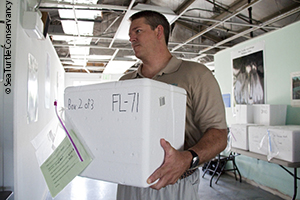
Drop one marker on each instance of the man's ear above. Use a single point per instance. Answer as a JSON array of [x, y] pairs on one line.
[[160, 32]]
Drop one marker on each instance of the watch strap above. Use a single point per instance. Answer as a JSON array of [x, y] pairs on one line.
[[194, 154]]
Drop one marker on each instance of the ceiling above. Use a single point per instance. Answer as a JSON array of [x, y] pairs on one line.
[[91, 36]]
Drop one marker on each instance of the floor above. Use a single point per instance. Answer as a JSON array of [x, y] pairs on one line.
[[226, 189]]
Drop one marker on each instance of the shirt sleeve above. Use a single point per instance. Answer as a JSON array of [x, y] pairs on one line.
[[209, 109]]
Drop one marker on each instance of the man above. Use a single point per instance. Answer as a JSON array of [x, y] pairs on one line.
[[205, 131]]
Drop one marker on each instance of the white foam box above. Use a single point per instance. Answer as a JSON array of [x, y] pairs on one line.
[[244, 114], [270, 115], [121, 123], [239, 136], [285, 140], [255, 136]]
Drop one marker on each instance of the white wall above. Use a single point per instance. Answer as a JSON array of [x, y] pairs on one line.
[[74, 79], [21, 170], [282, 49]]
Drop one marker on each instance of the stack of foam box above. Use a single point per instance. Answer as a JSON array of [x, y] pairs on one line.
[[239, 131], [269, 115], [252, 116], [239, 136], [281, 141], [260, 138], [261, 129], [121, 124], [261, 114]]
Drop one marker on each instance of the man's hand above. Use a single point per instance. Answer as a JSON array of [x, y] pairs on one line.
[[174, 165]]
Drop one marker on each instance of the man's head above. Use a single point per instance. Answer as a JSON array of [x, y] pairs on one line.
[[154, 19]]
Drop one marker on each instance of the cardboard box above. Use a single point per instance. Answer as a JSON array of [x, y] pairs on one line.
[[244, 114], [284, 140], [122, 123], [269, 115], [239, 136]]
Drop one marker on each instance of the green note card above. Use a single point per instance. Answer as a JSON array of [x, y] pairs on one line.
[[63, 165]]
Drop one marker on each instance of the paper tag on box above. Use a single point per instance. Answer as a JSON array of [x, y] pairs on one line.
[[63, 165]]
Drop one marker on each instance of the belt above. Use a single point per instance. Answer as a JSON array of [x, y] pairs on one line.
[[187, 173]]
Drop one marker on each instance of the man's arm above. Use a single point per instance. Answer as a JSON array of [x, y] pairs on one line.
[[177, 162]]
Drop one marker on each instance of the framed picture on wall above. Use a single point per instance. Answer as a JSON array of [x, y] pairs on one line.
[[295, 86], [248, 75]]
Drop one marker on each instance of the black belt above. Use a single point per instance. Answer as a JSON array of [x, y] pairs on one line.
[[187, 173]]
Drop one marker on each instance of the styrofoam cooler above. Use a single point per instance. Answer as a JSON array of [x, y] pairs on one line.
[[269, 115], [121, 123], [239, 136], [287, 139], [284, 140], [256, 135], [244, 114]]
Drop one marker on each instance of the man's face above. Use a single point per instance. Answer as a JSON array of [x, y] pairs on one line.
[[142, 37]]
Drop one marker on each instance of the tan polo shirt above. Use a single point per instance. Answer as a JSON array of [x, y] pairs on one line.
[[205, 107]]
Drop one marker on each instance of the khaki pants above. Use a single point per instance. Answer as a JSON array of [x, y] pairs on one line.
[[184, 189]]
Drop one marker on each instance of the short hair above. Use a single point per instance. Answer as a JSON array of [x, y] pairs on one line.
[[154, 19]]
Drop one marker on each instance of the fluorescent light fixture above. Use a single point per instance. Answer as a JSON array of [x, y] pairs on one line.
[[79, 14], [118, 67], [72, 39], [100, 57], [133, 57], [79, 62], [79, 51], [80, 1], [61, 38], [70, 27], [80, 40], [77, 27]]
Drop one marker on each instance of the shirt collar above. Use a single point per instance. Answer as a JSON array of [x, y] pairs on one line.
[[172, 66]]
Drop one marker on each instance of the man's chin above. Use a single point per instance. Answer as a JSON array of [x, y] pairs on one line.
[[137, 55]]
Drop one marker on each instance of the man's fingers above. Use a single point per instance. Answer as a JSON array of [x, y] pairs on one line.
[[160, 171], [164, 175], [156, 186], [165, 144], [162, 182], [156, 175]]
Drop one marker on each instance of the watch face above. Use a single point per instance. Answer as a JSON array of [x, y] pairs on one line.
[[195, 162]]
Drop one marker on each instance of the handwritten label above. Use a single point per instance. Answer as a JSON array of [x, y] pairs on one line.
[[246, 50], [63, 165], [119, 103], [87, 104], [126, 103], [264, 111]]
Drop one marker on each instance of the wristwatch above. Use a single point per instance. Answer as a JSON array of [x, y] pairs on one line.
[[195, 160]]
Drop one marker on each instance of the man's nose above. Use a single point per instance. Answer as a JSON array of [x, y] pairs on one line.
[[131, 38]]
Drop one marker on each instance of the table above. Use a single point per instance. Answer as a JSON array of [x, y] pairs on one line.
[[281, 163]]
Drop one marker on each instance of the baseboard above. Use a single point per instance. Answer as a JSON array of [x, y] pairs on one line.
[[263, 187]]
